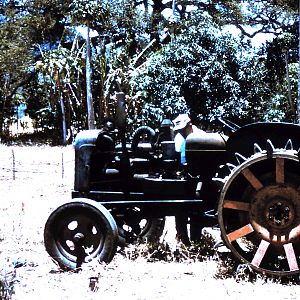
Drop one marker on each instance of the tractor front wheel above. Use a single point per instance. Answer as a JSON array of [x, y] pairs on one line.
[[79, 231]]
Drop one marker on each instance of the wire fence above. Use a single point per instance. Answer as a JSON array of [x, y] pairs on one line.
[[27, 162]]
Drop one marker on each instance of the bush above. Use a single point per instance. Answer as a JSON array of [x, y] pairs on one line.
[[7, 281]]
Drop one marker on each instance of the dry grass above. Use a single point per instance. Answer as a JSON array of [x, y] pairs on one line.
[[164, 271]]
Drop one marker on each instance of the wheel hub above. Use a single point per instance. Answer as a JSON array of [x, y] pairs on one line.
[[275, 212], [279, 213], [78, 237]]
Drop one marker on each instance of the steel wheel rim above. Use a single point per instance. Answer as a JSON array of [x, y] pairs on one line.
[[132, 222], [78, 227], [271, 236]]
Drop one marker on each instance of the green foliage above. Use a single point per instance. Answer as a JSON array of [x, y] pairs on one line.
[[198, 72], [279, 78], [60, 70], [201, 69], [88, 12], [15, 60], [23, 25]]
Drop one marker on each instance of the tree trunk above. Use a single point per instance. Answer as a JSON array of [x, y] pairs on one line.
[[63, 115], [4, 99], [298, 100], [289, 86], [89, 98]]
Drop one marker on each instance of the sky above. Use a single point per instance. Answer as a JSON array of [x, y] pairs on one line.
[[82, 30], [256, 41]]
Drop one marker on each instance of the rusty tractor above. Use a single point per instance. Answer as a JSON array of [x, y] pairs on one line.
[[248, 184]]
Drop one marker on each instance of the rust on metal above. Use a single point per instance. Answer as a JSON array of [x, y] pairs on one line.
[[295, 232], [279, 170], [260, 253], [243, 231], [252, 179], [291, 257], [236, 205]]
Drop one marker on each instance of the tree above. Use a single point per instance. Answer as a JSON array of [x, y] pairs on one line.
[[24, 25], [281, 59], [14, 61], [61, 70], [199, 72], [130, 37]]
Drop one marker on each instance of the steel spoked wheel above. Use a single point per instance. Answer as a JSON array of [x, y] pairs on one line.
[[79, 231], [259, 210]]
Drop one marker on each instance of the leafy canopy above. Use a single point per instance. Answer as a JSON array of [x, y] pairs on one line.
[[199, 71]]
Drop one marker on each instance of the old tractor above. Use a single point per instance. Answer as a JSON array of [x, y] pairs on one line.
[[248, 184]]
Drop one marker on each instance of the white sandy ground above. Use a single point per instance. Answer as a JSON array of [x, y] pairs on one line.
[[43, 180]]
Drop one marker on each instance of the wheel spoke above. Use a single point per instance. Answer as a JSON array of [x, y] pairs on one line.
[[291, 257], [260, 253], [295, 232], [279, 170], [240, 232], [252, 179], [236, 205]]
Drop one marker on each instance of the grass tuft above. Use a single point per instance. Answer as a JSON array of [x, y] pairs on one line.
[[177, 252], [7, 281]]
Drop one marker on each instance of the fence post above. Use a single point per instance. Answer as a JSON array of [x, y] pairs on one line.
[[13, 164], [62, 165]]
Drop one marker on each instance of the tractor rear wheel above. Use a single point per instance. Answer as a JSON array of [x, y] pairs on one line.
[[259, 210]]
